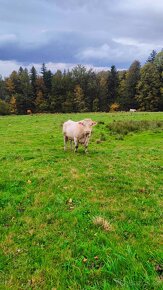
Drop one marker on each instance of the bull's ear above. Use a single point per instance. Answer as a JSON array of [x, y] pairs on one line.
[[81, 123], [94, 124]]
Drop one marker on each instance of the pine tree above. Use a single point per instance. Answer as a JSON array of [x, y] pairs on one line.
[[67, 92], [80, 77], [148, 95], [79, 99], [48, 82], [40, 90], [122, 89], [102, 90], [132, 78], [159, 61], [113, 86], [25, 90], [40, 103], [47, 78], [67, 106], [43, 70], [152, 56], [2, 89], [33, 78], [159, 64], [91, 90], [57, 95]]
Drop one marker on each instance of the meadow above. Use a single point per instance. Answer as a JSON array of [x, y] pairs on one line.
[[81, 221]]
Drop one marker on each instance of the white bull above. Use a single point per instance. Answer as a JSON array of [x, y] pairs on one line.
[[79, 132]]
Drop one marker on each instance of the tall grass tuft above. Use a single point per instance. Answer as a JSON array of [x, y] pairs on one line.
[[100, 221], [125, 127]]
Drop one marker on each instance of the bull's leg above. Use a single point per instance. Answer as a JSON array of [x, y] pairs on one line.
[[76, 144], [65, 138], [71, 144], [86, 145]]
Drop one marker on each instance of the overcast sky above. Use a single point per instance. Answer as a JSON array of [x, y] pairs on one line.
[[63, 33]]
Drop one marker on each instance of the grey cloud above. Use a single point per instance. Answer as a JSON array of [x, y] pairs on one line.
[[98, 32], [62, 46]]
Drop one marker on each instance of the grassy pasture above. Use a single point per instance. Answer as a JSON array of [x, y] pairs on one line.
[[81, 221]]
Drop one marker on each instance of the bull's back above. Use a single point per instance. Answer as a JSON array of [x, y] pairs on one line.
[[65, 125], [71, 129]]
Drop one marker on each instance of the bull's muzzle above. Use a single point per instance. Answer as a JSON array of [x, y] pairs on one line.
[[87, 133]]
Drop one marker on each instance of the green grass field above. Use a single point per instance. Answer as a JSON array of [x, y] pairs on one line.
[[51, 201]]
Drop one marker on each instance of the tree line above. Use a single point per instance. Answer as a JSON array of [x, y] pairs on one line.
[[82, 90]]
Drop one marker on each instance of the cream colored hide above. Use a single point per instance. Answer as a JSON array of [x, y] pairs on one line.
[[79, 132]]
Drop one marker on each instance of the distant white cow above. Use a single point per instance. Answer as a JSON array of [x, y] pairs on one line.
[[79, 132], [132, 110], [29, 112]]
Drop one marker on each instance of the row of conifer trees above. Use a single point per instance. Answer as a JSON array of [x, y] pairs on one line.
[[82, 90]]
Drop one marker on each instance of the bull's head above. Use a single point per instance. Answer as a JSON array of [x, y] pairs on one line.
[[87, 124]]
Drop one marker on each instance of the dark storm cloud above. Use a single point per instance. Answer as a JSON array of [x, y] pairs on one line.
[[97, 32], [59, 46]]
